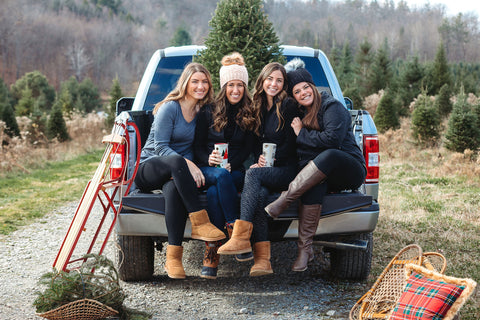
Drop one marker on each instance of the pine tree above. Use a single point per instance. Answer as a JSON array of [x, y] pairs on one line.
[[440, 73], [463, 131], [115, 94], [411, 80], [181, 37], [380, 74], [443, 103], [242, 26], [386, 115], [25, 104], [88, 98], [425, 121], [36, 84], [363, 59], [56, 126], [8, 116]]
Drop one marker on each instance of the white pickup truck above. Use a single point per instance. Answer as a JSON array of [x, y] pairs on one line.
[[348, 218]]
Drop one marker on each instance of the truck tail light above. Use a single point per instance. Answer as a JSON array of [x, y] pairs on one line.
[[117, 160], [372, 157]]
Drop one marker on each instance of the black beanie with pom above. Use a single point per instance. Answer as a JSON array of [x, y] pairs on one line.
[[297, 73]]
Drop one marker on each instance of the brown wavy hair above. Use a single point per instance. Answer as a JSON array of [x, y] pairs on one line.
[[260, 97], [247, 117], [310, 120], [180, 90]]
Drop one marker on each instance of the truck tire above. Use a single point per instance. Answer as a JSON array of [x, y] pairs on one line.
[[352, 264], [135, 256]]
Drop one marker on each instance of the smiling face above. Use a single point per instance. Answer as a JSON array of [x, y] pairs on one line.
[[197, 87], [273, 84], [234, 91], [303, 93]]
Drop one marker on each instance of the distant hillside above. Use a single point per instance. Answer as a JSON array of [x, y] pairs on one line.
[[82, 38]]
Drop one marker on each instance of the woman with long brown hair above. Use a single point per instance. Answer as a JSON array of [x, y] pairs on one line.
[[329, 157], [166, 163], [276, 111], [232, 120]]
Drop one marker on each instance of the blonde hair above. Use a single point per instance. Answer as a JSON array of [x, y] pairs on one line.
[[260, 97], [180, 90]]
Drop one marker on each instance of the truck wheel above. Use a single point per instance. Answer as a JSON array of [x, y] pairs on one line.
[[352, 264], [135, 257]]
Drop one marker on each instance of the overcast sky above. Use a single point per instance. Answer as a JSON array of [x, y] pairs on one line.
[[453, 6]]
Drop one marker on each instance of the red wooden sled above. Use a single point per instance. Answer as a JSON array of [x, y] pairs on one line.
[[105, 189]]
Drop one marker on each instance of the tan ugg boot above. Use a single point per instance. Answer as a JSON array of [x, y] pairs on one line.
[[307, 226], [173, 265], [240, 240], [241, 257], [308, 177], [261, 256], [203, 229]]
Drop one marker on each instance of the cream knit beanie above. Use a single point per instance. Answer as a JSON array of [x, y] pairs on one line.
[[233, 68]]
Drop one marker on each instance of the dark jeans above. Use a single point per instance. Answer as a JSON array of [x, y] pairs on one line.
[[343, 172], [180, 192], [259, 182], [222, 194]]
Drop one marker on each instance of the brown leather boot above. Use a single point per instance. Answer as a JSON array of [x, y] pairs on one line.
[[307, 225], [305, 179], [242, 257], [173, 265], [203, 229], [210, 260], [261, 256], [240, 240]]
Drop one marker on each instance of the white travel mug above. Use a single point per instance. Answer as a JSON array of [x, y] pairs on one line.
[[269, 153], [222, 149]]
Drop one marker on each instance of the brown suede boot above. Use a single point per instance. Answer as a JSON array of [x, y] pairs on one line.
[[173, 265], [261, 256], [305, 179], [210, 260], [242, 257], [203, 229], [240, 240], [307, 225]]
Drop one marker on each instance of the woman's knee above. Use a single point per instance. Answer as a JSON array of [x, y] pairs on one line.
[[176, 161]]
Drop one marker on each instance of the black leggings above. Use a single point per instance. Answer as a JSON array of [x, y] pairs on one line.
[[259, 182], [180, 192], [343, 172]]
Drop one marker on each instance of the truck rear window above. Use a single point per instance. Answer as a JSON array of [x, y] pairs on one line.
[[170, 68]]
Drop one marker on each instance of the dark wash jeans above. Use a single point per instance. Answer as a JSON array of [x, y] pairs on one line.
[[222, 194]]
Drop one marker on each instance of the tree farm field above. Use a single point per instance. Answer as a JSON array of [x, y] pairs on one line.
[[430, 197]]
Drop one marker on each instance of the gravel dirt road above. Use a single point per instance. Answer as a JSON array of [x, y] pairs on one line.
[[30, 251]]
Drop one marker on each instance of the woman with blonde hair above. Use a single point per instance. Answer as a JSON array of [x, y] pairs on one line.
[[276, 111], [231, 119], [166, 163]]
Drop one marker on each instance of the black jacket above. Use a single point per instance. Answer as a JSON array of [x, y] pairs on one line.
[[284, 138], [240, 142], [335, 133]]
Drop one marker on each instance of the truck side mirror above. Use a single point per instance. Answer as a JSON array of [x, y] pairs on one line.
[[348, 103], [124, 104]]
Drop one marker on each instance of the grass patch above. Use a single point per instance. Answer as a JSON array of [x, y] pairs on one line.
[[25, 197]]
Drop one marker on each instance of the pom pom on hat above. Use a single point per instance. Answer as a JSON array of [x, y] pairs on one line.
[[297, 73], [233, 68]]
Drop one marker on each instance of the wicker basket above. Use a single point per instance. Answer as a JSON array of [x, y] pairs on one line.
[[85, 309]]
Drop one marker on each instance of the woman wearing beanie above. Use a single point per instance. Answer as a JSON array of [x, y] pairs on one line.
[[166, 163], [231, 119], [329, 157], [277, 111]]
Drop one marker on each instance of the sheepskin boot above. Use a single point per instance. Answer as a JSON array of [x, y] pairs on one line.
[[307, 225], [173, 265], [308, 177], [242, 257], [203, 229], [240, 240], [261, 256]]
